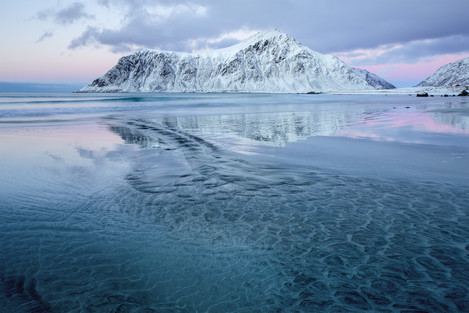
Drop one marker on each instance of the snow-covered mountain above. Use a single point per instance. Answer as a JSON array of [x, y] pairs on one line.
[[373, 79], [269, 61], [451, 74]]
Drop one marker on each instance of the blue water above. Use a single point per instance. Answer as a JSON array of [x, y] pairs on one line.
[[233, 203]]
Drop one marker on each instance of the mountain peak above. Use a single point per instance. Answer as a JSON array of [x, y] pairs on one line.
[[269, 61], [266, 34], [267, 37]]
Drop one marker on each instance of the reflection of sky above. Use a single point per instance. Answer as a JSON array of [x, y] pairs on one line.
[[55, 155], [403, 125]]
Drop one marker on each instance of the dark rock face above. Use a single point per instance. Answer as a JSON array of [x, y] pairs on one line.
[[464, 93], [423, 94]]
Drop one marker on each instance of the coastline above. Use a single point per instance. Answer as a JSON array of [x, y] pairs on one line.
[[437, 91]]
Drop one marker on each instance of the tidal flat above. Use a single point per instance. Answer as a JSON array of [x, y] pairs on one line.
[[233, 203]]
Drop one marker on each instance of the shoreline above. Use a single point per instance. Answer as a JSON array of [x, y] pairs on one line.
[[436, 91], [432, 91]]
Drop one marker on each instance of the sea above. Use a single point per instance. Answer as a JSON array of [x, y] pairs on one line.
[[233, 203]]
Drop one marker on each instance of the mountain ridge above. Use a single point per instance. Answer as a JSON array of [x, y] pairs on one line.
[[269, 61], [449, 75], [373, 79]]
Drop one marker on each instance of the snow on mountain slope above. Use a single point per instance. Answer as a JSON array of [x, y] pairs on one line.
[[269, 61], [373, 79], [451, 74]]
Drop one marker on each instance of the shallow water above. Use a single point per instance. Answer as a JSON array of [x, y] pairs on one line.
[[233, 203]]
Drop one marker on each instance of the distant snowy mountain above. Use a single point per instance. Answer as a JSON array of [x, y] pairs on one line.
[[269, 62], [451, 74], [373, 79]]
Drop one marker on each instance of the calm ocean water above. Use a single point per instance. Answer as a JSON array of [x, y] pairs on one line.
[[233, 203]]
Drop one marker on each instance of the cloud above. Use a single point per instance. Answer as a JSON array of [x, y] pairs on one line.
[[147, 24], [222, 40], [43, 15], [44, 36], [71, 14], [104, 3], [85, 38], [332, 24], [404, 31], [410, 52], [68, 15]]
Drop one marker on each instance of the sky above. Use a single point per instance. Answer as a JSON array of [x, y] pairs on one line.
[[73, 41]]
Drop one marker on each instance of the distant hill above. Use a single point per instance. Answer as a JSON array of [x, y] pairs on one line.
[[38, 87], [449, 75], [271, 62], [373, 79]]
